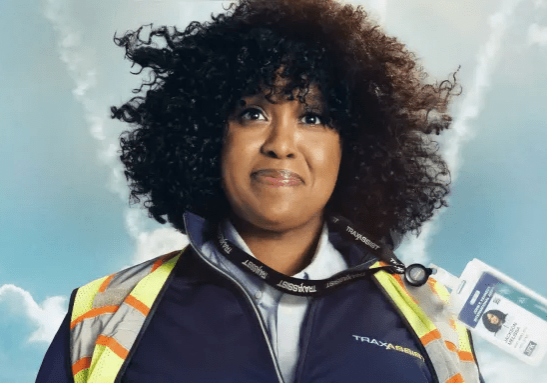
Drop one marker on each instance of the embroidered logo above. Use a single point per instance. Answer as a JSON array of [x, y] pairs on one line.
[[388, 346]]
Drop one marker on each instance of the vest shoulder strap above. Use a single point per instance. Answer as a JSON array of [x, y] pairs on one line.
[[445, 339], [98, 347]]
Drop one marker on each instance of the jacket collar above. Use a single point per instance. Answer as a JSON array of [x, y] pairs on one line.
[[354, 255]]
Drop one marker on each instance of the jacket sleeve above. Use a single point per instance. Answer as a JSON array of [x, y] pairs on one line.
[[56, 366]]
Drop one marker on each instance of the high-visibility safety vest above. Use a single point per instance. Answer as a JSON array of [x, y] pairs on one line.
[[100, 344]]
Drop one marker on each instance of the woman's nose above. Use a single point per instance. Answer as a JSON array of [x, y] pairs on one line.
[[280, 141]]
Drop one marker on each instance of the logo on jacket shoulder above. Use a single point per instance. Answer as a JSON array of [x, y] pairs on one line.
[[388, 346]]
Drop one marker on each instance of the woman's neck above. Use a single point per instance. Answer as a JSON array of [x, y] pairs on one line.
[[287, 252]]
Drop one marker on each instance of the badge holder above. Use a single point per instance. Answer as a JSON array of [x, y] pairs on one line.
[[499, 309]]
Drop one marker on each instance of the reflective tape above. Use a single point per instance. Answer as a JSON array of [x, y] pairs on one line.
[[149, 287], [81, 364], [417, 319], [81, 346], [83, 302], [105, 365], [99, 345], [445, 339]]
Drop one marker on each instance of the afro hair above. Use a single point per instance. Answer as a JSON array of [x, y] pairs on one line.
[[391, 175]]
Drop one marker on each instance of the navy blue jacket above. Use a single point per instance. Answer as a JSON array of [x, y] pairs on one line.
[[203, 328]]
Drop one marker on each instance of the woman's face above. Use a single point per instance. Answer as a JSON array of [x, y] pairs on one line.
[[280, 162], [492, 318]]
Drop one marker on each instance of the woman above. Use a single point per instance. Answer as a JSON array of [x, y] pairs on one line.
[[289, 141], [493, 320]]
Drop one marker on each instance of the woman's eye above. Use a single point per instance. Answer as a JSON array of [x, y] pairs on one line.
[[252, 114], [312, 119]]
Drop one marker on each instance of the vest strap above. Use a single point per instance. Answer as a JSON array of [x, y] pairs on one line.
[[444, 338], [99, 346]]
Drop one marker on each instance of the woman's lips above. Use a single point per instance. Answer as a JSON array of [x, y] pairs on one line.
[[277, 178]]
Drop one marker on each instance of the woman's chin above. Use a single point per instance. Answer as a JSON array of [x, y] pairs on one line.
[[280, 220]]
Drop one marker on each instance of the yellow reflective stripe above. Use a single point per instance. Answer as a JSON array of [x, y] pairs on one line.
[[84, 298], [439, 289], [81, 365], [106, 368], [419, 321], [463, 338], [81, 377], [149, 287], [97, 353], [108, 355]]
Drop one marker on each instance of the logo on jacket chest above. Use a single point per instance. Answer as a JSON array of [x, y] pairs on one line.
[[387, 346]]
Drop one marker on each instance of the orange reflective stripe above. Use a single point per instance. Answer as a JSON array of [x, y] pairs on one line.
[[451, 346], [163, 259], [431, 283], [105, 283], [132, 301], [439, 290], [466, 356], [430, 336], [157, 264], [81, 364], [112, 344], [93, 313], [399, 279], [456, 379], [463, 355]]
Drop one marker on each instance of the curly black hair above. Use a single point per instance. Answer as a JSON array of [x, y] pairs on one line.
[[391, 175], [491, 326]]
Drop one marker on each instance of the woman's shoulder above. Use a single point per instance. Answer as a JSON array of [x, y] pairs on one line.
[[111, 290], [132, 272]]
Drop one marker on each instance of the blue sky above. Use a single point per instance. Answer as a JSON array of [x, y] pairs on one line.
[[64, 216]]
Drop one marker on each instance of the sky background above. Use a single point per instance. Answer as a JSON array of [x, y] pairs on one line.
[[64, 215]]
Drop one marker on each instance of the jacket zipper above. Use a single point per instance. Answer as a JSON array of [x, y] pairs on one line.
[[305, 338], [253, 305]]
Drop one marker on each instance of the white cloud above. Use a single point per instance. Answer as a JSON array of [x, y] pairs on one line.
[[46, 316], [537, 35], [414, 249], [472, 105], [158, 242], [473, 102], [496, 366], [78, 59], [153, 243], [380, 7]]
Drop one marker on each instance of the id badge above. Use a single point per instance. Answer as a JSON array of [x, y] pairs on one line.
[[502, 311]]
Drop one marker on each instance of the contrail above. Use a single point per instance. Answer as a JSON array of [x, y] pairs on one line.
[[473, 102], [77, 59], [415, 250], [495, 365]]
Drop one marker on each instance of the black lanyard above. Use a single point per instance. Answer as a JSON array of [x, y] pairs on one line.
[[415, 274]]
